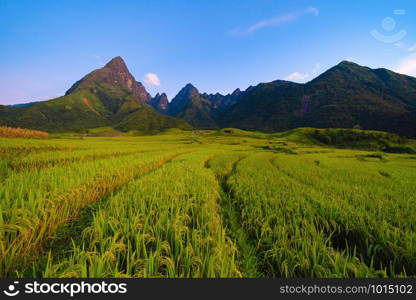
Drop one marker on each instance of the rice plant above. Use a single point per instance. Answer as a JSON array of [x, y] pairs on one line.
[[203, 205]]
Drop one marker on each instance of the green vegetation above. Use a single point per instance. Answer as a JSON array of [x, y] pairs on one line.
[[345, 96], [226, 203], [83, 110], [342, 97], [146, 121], [108, 97], [353, 139]]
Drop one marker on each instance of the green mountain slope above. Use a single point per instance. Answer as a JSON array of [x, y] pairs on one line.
[[109, 96], [198, 112], [146, 121], [80, 110], [116, 75], [193, 107], [344, 96], [268, 107]]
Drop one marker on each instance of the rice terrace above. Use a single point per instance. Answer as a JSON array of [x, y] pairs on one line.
[[226, 203]]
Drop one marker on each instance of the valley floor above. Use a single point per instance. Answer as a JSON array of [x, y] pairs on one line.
[[203, 205]]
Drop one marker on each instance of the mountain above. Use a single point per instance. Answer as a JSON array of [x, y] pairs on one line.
[[191, 106], [342, 97], [160, 102], [267, 107], [116, 74], [109, 96], [222, 102], [200, 110], [181, 100]]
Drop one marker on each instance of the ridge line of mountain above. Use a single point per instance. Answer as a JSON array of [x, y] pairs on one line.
[[344, 96]]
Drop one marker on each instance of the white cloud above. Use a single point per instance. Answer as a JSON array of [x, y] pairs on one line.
[[407, 66], [411, 49], [277, 20], [98, 59], [400, 45], [312, 10], [151, 79], [316, 68], [300, 77], [296, 76]]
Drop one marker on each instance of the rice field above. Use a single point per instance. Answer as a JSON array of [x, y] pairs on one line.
[[200, 205]]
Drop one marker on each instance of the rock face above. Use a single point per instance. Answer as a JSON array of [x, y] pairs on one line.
[[114, 73], [160, 102]]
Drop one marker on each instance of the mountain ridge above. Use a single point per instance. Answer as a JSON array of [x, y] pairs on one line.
[[343, 96]]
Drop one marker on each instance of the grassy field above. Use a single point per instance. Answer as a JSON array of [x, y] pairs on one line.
[[230, 203]]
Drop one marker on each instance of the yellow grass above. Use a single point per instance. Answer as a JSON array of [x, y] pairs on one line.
[[10, 132]]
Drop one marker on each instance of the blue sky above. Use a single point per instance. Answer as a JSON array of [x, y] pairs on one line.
[[217, 45]]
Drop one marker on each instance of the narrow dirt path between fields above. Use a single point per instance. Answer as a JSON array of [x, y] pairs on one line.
[[246, 256]]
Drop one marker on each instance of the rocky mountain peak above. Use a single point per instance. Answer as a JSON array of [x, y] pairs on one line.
[[189, 91], [183, 98], [160, 102], [114, 73], [237, 92], [117, 64]]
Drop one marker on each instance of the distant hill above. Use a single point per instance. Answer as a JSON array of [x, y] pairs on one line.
[[352, 138], [23, 104], [342, 97], [369, 140], [109, 96]]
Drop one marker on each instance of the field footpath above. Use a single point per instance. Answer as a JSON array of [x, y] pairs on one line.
[[246, 255]]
